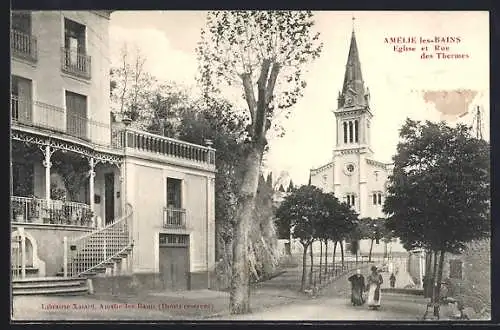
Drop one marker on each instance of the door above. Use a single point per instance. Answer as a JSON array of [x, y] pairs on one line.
[[21, 100], [109, 197], [76, 115], [174, 262]]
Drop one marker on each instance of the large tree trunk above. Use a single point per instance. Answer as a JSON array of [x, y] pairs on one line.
[[333, 256], [326, 257], [342, 253], [239, 297], [370, 254], [437, 287], [304, 268], [434, 274], [320, 259], [311, 273]]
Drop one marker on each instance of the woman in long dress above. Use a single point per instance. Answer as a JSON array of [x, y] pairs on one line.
[[374, 282], [357, 287]]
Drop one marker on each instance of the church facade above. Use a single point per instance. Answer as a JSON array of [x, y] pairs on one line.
[[354, 175]]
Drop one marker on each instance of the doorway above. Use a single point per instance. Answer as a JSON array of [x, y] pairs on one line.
[[174, 262], [109, 197]]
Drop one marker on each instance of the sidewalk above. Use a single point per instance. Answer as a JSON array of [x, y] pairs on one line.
[[182, 305]]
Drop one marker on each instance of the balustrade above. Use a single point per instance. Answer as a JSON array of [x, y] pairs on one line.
[[23, 45], [174, 218], [76, 63], [157, 144], [34, 210]]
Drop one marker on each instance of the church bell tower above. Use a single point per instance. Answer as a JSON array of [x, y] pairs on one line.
[[353, 114]]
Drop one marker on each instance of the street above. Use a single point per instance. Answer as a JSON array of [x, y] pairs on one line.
[[394, 307]]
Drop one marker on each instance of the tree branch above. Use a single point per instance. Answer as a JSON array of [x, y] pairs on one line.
[[260, 116], [249, 94], [271, 82]]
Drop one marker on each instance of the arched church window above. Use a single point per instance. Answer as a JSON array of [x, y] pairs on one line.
[[345, 132], [379, 198], [374, 199], [351, 135], [356, 135]]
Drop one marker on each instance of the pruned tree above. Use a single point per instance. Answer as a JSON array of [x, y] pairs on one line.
[[263, 53], [302, 208], [373, 230], [439, 192]]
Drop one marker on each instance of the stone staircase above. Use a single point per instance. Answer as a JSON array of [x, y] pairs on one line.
[[104, 252], [49, 286]]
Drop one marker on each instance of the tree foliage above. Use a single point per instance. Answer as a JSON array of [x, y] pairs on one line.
[[439, 192], [315, 215], [262, 53]]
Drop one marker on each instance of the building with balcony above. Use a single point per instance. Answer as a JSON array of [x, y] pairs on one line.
[[92, 197]]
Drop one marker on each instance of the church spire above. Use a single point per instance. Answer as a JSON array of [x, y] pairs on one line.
[[353, 90]]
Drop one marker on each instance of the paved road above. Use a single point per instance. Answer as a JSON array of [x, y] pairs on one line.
[[394, 307]]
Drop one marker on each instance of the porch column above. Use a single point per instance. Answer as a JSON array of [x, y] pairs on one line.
[[23, 251], [91, 182], [47, 164]]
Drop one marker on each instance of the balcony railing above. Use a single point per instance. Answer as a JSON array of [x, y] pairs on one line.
[[174, 218], [161, 145], [75, 63], [23, 45], [27, 112], [34, 210]]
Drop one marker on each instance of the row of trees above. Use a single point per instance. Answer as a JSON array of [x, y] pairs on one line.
[[309, 214]]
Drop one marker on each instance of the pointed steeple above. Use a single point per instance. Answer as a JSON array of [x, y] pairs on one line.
[[353, 90]]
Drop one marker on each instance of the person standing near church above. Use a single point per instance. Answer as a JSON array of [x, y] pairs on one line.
[[374, 282], [392, 279], [357, 287]]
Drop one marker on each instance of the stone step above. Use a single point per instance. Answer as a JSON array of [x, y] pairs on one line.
[[51, 291], [48, 284]]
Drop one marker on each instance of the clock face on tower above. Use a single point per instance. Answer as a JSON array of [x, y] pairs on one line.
[[349, 169], [348, 100]]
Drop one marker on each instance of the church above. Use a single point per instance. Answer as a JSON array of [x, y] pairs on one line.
[[354, 175]]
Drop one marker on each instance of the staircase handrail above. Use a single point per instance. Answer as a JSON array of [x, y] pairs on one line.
[[112, 245], [128, 213]]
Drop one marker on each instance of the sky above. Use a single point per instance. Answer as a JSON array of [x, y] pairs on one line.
[[402, 85]]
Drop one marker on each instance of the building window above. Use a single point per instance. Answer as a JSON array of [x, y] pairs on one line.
[[75, 59], [356, 135], [74, 36], [76, 114], [174, 193], [374, 199], [21, 99], [351, 135], [350, 199], [21, 22], [379, 199], [456, 269], [174, 240], [345, 132]]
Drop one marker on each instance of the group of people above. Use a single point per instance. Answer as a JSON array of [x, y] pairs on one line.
[[371, 287]]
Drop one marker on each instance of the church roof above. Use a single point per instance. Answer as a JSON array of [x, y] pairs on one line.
[[353, 89]]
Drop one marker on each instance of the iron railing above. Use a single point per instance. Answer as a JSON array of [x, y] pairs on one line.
[[162, 145], [174, 217], [23, 45], [39, 114], [87, 253], [34, 210], [75, 63]]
